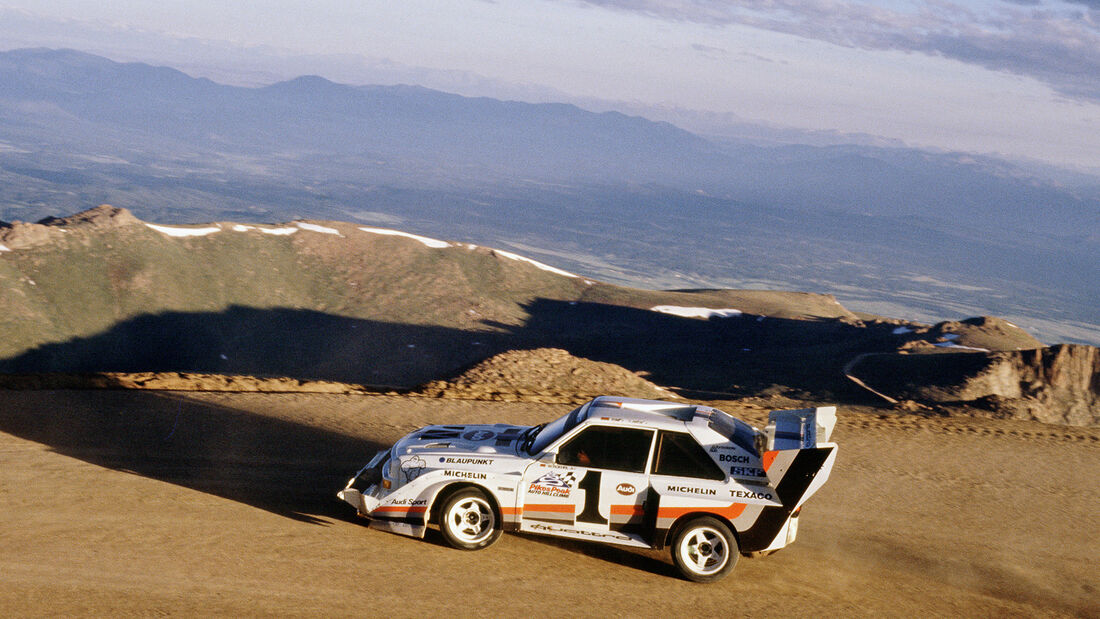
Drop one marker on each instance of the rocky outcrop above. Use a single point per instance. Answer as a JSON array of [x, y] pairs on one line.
[[981, 333], [1058, 384], [19, 235]]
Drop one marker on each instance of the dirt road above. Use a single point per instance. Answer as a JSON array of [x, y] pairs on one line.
[[122, 503]]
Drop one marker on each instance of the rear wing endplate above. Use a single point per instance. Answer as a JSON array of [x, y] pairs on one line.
[[803, 428]]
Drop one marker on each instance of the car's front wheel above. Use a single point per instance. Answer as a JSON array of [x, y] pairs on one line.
[[704, 550], [468, 521]]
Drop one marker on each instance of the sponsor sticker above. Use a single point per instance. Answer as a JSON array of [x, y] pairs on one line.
[[412, 467], [750, 494], [550, 528], [625, 489], [479, 435], [738, 458], [409, 502], [561, 480], [692, 490], [465, 474], [747, 471], [459, 460]]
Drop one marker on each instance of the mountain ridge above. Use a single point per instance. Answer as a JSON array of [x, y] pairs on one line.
[[103, 291]]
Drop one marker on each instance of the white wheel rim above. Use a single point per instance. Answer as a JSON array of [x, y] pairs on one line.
[[704, 550], [471, 520]]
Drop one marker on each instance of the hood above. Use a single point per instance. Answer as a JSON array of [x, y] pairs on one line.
[[498, 438]]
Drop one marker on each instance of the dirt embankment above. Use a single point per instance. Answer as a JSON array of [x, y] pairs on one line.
[[1059, 384], [543, 375]]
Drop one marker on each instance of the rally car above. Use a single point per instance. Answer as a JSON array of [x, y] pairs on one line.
[[617, 470]]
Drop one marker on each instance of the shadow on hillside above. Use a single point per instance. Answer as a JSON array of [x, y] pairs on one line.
[[282, 467], [740, 354], [292, 469], [302, 344]]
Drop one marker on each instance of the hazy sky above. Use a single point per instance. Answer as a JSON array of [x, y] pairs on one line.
[[1019, 78]]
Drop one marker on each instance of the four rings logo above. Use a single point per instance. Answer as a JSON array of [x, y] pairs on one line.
[[625, 489]]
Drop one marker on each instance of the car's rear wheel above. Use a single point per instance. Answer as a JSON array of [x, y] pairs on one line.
[[468, 520], [704, 550]]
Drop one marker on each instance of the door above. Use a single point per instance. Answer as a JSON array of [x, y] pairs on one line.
[[595, 487]]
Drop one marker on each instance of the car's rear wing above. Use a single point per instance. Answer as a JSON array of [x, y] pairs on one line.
[[804, 428], [798, 456]]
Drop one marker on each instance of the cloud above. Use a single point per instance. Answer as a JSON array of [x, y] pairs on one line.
[[1057, 43]]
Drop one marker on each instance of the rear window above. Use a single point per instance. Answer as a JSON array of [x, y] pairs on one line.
[[680, 455], [738, 432]]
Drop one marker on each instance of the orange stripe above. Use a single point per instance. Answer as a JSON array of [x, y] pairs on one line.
[[511, 511], [627, 510], [731, 512], [415, 509], [769, 457], [549, 507]]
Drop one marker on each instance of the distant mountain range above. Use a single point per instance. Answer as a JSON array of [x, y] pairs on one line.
[[895, 231]]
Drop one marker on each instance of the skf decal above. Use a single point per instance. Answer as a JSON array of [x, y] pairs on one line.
[[625, 489], [747, 471], [465, 474]]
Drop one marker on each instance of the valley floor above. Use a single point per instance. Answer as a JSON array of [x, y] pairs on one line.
[[129, 502]]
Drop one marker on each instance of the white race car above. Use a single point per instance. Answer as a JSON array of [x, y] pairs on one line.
[[640, 473]]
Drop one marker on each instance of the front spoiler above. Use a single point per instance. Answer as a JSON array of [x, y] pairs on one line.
[[364, 503]]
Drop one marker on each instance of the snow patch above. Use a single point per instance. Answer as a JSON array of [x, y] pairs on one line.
[[182, 232], [242, 228], [430, 242], [953, 345], [902, 331], [545, 267], [315, 228], [4, 248], [696, 312], [278, 231]]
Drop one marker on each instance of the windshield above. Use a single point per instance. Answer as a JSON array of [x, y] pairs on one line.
[[542, 436]]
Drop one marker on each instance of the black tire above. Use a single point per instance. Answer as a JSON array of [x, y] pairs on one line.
[[704, 550], [468, 520]]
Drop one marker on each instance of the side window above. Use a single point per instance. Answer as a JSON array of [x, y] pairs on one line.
[[679, 454], [605, 447]]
